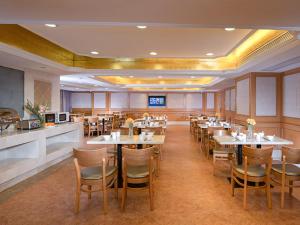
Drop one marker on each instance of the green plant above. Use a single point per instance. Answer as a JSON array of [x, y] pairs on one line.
[[36, 110]]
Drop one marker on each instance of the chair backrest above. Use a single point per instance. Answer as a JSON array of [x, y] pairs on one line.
[[220, 132], [90, 158], [93, 119], [137, 157], [155, 130], [78, 119], [292, 155], [124, 130], [258, 156]]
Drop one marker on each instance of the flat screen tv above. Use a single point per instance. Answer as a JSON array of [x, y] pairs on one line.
[[156, 101]]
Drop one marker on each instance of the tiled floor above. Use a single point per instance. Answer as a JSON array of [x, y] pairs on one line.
[[186, 193]]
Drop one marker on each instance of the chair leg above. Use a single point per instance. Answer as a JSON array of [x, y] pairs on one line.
[[214, 165], [245, 194], [116, 187], [269, 196], [232, 184], [77, 200], [290, 187], [90, 193], [104, 197], [124, 194], [282, 191], [151, 195]]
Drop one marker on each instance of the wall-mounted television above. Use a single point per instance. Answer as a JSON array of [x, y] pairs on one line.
[[156, 101]]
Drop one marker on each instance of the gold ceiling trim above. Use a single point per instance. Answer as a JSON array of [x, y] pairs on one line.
[[165, 89], [258, 42], [122, 80]]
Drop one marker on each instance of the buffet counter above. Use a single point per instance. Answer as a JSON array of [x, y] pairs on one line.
[[25, 153]]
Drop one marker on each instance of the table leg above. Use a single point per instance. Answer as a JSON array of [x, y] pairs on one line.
[[139, 146], [258, 146], [103, 126], [119, 162], [239, 154]]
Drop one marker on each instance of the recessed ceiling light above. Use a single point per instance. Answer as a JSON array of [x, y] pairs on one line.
[[210, 54], [62, 85], [192, 77], [95, 85], [92, 76], [131, 76], [230, 29], [141, 27], [159, 77], [153, 53], [77, 88], [94, 52], [106, 88], [52, 25]]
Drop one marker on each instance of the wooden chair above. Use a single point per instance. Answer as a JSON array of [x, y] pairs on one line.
[[221, 153], [256, 167], [158, 150], [93, 125], [205, 141], [286, 173], [92, 170], [137, 169]]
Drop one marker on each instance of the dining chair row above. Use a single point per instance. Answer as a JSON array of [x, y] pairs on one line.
[[94, 174]]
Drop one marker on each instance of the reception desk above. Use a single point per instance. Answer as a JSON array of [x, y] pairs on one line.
[[25, 153]]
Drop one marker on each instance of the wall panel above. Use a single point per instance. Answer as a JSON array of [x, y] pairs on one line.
[[210, 100], [291, 96], [81, 100], [265, 96], [99, 100], [242, 97], [138, 100], [176, 101], [119, 100]]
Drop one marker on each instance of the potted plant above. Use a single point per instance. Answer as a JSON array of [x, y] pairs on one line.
[[36, 111]]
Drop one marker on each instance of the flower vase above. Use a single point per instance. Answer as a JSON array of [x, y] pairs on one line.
[[130, 132], [250, 132]]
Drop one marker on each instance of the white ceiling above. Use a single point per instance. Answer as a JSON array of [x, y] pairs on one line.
[[204, 13], [121, 41], [176, 28]]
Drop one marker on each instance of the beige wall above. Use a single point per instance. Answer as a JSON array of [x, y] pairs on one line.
[[179, 105]]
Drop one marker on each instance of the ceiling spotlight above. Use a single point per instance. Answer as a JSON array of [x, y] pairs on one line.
[[62, 85], [95, 85], [77, 88], [153, 53], [50, 25], [131, 76], [193, 77], [230, 29], [141, 27], [94, 52], [106, 88], [92, 76], [210, 54], [159, 77]]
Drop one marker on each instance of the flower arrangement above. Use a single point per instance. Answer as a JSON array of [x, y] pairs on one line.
[[36, 110], [251, 122], [146, 114], [129, 122]]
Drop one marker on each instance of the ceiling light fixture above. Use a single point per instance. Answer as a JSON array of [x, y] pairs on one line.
[[230, 29], [141, 27], [92, 76], [94, 52], [131, 76], [210, 54], [153, 53], [193, 77], [159, 77], [52, 25]]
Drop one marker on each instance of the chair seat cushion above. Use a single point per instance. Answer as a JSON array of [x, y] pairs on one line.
[[291, 170], [253, 171], [95, 173], [137, 171], [221, 149]]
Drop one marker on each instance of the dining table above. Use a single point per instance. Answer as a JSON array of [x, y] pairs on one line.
[[230, 140], [138, 140]]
